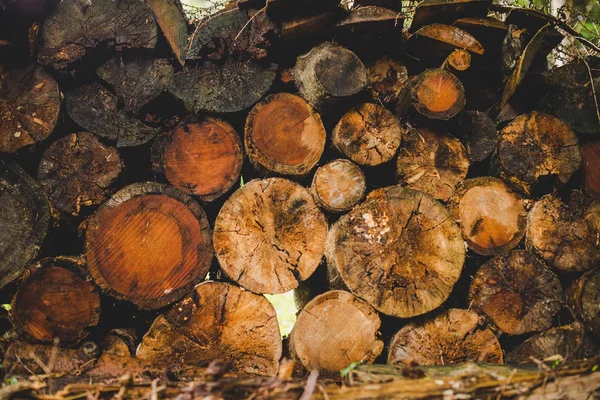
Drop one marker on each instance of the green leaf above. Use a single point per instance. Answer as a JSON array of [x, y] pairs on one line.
[[595, 368], [7, 307], [11, 381], [346, 371], [555, 364]]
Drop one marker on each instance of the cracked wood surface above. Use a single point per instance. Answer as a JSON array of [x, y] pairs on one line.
[[338, 185], [387, 78], [438, 94], [583, 298]]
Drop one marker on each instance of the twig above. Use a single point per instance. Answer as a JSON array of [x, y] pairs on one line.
[[311, 382], [593, 87], [248, 23]]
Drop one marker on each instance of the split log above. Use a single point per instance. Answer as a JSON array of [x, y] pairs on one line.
[[338, 185], [96, 109], [533, 20], [334, 330], [171, 18], [209, 87], [203, 159], [517, 293], [368, 134], [387, 78], [535, 148], [488, 31], [564, 341], [228, 33], [56, 299], [431, 161], [284, 10], [75, 25], [328, 73], [25, 221], [391, 4], [491, 216], [399, 250], [29, 108], [583, 297], [303, 29], [566, 236], [137, 81], [444, 11], [478, 133], [216, 321], [149, 244], [450, 337], [513, 44], [269, 235], [284, 135], [433, 43], [459, 60], [78, 171], [403, 106], [590, 154], [438, 94]]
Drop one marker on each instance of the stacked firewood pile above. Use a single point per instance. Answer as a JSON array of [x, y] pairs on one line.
[[423, 179]]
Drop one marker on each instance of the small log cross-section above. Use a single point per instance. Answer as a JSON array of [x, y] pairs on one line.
[[338, 185], [591, 168], [387, 78], [399, 250], [583, 297], [284, 135], [78, 171], [438, 94], [149, 244], [25, 221], [450, 337], [534, 147], [328, 73], [564, 341], [270, 235], [491, 216], [517, 293], [459, 60], [566, 236], [29, 108], [368, 134], [56, 299], [334, 330], [203, 159], [217, 321], [431, 161]]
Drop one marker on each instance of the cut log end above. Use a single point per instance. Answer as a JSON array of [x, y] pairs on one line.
[[583, 297], [270, 235], [78, 171], [438, 94], [564, 341], [203, 159], [517, 293], [149, 244], [459, 60], [338, 186], [333, 330], [451, 337], [55, 300], [398, 250], [430, 161], [368, 134], [492, 217], [218, 321], [387, 78], [284, 135], [478, 133]]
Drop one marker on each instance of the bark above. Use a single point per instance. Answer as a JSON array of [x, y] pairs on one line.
[[447, 11], [96, 109], [533, 20], [368, 134], [478, 133], [78, 171], [387, 78], [172, 21], [284, 10], [438, 94], [216, 321], [450, 337], [203, 159], [564, 341], [338, 185], [75, 25], [25, 221], [208, 87], [534, 149], [269, 235], [29, 108], [333, 330], [399, 250], [565, 235], [517, 292], [284, 135], [491, 216], [56, 300], [301, 30], [149, 244], [583, 297], [590, 154], [138, 80], [431, 161], [328, 73]]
